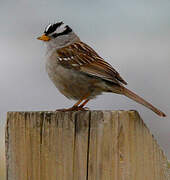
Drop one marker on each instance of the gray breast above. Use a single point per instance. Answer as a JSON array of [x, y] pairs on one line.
[[71, 83]]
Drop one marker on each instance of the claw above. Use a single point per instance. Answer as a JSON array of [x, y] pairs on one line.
[[74, 108]]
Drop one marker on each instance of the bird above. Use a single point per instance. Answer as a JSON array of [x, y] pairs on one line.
[[79, 72]]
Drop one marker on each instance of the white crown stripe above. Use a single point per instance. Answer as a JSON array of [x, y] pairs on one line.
[[60, 29], [47, 28]]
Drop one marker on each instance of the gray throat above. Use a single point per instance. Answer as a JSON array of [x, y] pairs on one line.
[[61, 42]]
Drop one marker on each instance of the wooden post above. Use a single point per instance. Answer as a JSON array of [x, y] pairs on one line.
[[84, 145]]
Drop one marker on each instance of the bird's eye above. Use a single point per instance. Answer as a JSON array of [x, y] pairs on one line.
[[55, 35]]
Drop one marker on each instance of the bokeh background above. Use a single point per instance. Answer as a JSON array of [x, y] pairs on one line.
[[134, 36]]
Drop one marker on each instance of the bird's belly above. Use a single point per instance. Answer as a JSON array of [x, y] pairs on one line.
[[71, 83]]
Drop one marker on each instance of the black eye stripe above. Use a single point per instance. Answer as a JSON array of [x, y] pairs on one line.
[[50, 29]]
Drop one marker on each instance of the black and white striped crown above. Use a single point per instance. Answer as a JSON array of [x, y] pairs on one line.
[[57, 29]]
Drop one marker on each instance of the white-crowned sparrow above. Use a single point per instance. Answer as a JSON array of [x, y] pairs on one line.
[[78, 71]]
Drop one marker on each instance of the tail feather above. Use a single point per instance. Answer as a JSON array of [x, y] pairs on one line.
[[140, 100]]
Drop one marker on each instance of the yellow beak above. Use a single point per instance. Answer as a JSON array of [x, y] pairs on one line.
[[44, 38]]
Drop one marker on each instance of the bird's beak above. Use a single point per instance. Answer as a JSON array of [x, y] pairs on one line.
[[44, 38]]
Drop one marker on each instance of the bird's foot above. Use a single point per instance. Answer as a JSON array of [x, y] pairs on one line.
[[74, 108]]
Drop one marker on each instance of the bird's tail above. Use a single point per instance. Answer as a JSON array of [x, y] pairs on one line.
[[140, 100]]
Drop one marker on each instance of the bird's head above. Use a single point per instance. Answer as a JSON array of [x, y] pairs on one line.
[[59, 33]]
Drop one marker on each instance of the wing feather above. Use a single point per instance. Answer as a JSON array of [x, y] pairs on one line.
[[82, 57]]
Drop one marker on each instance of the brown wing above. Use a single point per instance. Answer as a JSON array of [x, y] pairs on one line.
[[83, 58]]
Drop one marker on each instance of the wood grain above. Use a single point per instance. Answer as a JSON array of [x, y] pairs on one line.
[[83, 145]]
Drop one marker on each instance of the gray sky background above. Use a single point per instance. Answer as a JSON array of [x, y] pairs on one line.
[[134, 36]]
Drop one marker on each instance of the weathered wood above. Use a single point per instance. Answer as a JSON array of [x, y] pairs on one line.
[[88, 145]]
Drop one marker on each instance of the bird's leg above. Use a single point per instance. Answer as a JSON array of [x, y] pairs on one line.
[[81, 107], [73, 108], [84, 103], [76, 106]]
